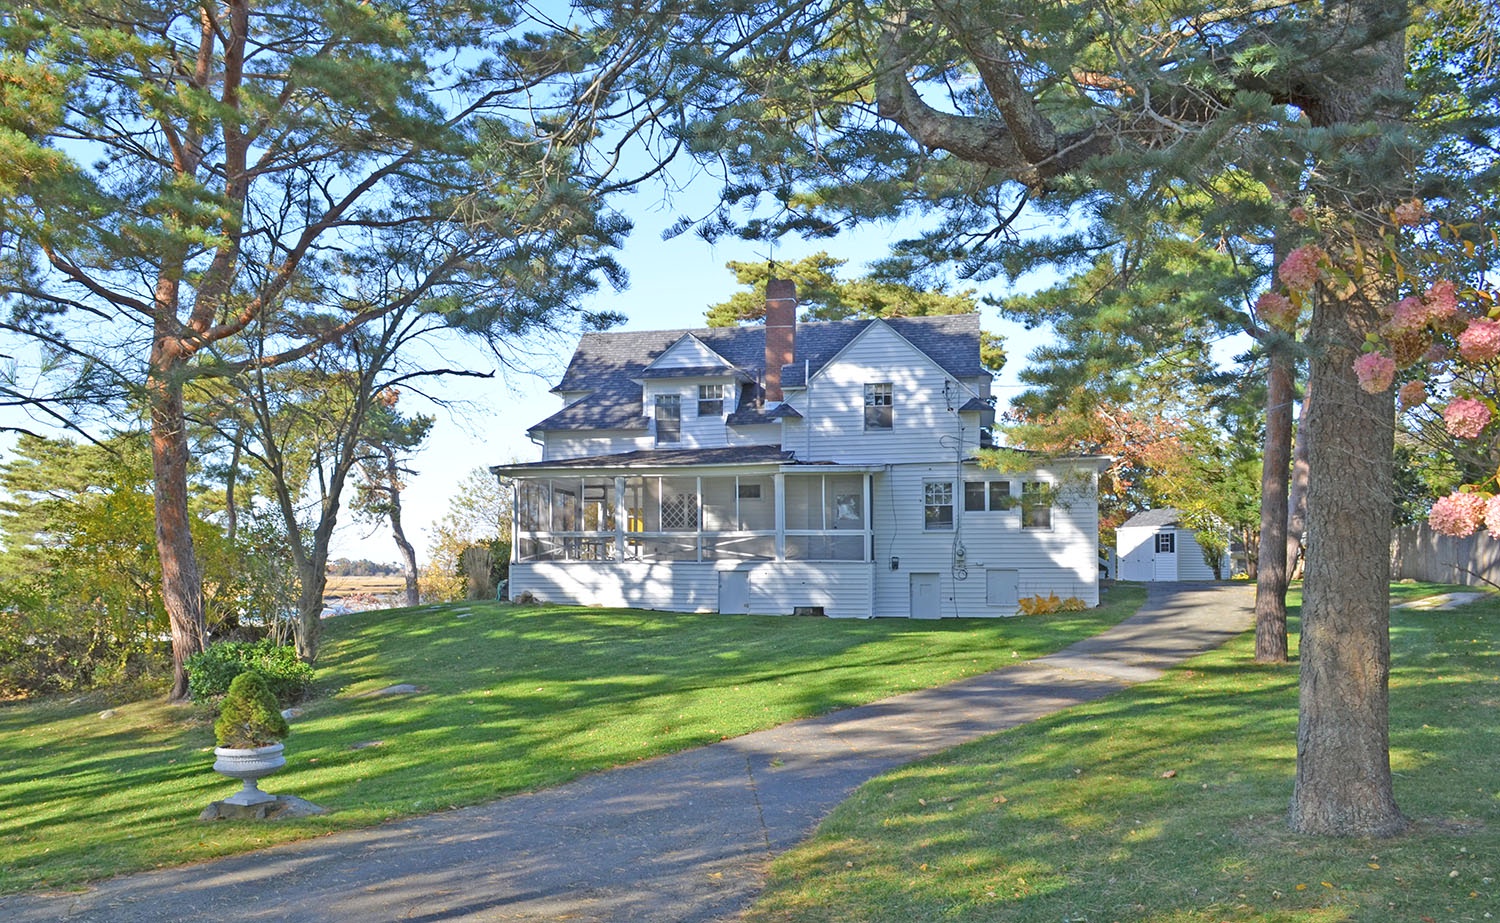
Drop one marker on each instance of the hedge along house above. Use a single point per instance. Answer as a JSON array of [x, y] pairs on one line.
[[818, 467], [1157, 546]]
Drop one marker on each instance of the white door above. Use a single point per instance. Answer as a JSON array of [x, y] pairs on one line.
[[925, 603], [1002, 588], [734, 592], [1166, 556]]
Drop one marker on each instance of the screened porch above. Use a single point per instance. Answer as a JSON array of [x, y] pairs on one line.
[[749, 517]]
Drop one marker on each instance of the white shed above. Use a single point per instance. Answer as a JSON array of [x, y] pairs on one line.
[[1157, 546]]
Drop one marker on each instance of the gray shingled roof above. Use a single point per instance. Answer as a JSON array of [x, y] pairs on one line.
[[696, 371], [609, 365], [663, 458], [1152, 519]]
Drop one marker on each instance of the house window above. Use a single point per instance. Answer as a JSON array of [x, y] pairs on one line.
[[679, 504], [1036, 505], [973, 496], [749, 491], [1000, 498], [878, 403], [1166, 543], [668, 418], [710, 400], [937, 504], [987, 495]]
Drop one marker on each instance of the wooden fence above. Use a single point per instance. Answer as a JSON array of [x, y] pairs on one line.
[[1419, 553]]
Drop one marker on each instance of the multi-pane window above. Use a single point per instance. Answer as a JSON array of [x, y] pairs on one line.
[[1036, 505], [710, 400], [1166, 543], [679, 504], [668, 418], [937, 504], [878, 405]]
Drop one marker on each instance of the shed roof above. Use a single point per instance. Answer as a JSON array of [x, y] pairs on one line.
[[1153, 519]]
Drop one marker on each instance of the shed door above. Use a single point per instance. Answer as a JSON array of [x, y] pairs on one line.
[[925, 603], [1166, 556], [734, 592]]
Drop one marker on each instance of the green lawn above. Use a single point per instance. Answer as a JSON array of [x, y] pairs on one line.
[[1166, 804], [511, 699]]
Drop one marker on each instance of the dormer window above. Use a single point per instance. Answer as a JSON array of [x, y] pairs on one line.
[[668, 418], [878, 405], [710, 400]]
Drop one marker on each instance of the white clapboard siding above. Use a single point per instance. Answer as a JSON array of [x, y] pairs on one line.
[[708, 432], [833, 410], [840, 589], [1059, 560], [562, 444], [688, 353]]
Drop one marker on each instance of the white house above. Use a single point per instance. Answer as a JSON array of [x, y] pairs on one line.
[[1156, 545], [818, 467]]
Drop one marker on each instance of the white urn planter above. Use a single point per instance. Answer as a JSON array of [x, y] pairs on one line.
[[248, 764]]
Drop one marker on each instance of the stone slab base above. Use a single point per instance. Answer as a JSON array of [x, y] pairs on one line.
[[278, 808]]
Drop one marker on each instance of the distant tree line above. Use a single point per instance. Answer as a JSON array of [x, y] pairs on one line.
[[343, 567]]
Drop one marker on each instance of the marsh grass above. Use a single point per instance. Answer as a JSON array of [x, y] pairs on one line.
[[510, 699]]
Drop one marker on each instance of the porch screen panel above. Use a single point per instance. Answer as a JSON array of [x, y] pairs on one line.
[[651, 505], [636, 503], [804, 503], [719, 502], [757, 507], [531, 509], [825, 547], [565, 505], [679, 504], [737, 547], [844, 501], [670, 548], [599, 505]]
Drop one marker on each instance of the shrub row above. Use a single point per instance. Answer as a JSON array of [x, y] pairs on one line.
[[211, 672]]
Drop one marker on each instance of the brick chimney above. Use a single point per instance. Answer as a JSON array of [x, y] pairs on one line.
[[781, 332]]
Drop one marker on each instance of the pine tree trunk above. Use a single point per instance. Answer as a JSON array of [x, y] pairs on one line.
[[1271, 570], [181, 582], [1296, 517], [1343, 785]]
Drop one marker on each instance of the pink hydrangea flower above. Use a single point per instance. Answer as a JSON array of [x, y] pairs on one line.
[[1298, 214], [1277, 310], [1457, 515], [1413, 393], [1465, 417], [1492, 516], [1480, 341], [1413, 211], [1407, 316], [1442, 301], [1302, 268], [1375, 371]]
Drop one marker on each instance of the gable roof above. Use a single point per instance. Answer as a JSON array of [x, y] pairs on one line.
[[1153, 519], [610, 366]]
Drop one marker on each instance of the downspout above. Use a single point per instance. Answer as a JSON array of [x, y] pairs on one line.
[[807, 393]]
